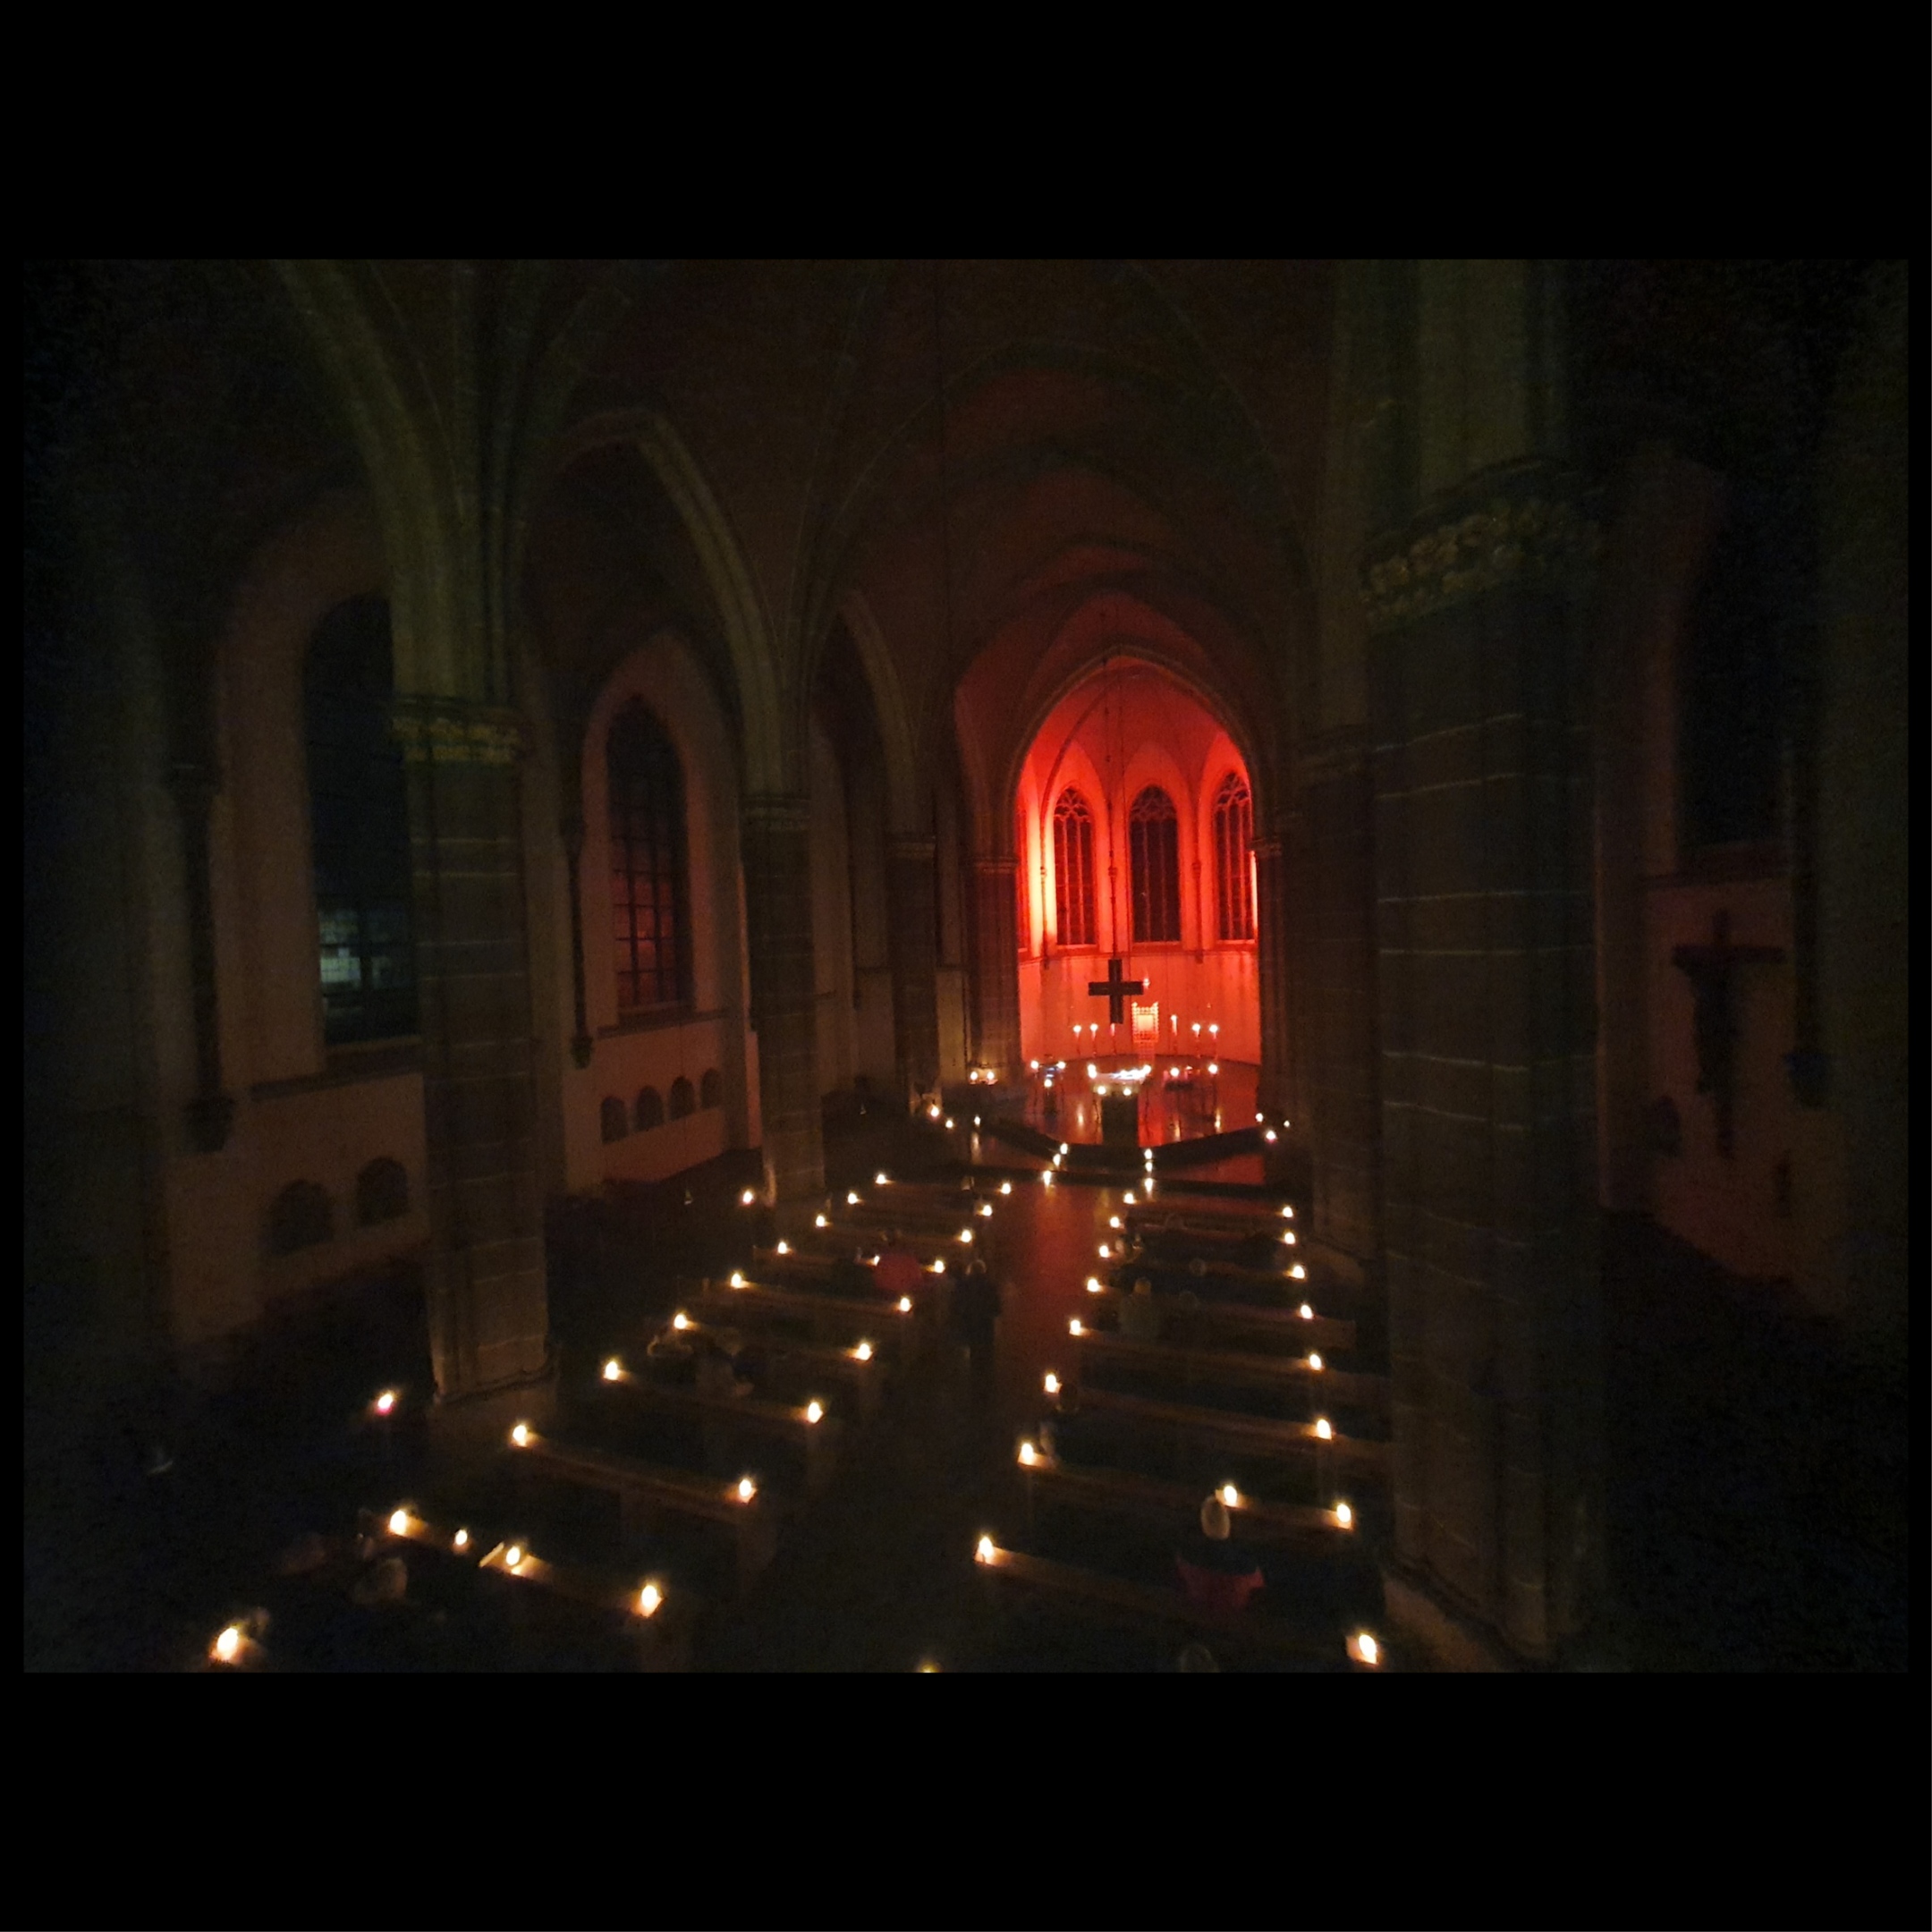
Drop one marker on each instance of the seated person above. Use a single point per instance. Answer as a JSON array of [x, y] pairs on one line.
[[898, 1272], [1139, 1313], [1216, 1571]]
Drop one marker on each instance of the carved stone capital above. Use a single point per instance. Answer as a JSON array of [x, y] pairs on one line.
[[445, 731]]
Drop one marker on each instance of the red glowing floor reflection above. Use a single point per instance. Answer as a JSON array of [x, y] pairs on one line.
[[1178, 1100]]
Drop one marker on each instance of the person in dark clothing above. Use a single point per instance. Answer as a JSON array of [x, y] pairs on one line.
[[1217, 1572], [976, 1310]]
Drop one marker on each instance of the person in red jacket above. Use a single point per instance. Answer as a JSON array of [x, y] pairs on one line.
[[1216, 1571], [898, 1272]]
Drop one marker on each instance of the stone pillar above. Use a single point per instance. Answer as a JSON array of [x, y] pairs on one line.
[[1485, 974], [914, 943], [488, 1315], [1335, 950], [995, 980], [784, 1014], [211, 1111]]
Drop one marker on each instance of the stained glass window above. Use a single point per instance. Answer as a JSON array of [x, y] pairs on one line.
[[647, 848], [1154, 837], [1234, 832], [1073, 880]]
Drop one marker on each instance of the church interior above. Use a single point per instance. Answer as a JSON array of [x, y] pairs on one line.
[[965, 965]]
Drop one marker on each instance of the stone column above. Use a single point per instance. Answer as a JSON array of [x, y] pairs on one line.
[[489, 1315], [913, 939], [1276, 1095], [211, 1111], [784, 1014], [995, 980], [1485, 976]]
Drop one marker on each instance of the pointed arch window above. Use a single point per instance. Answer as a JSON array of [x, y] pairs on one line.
[[359, 825], [1073, 880], [649, 894], [1155, 843], [1233, 834]]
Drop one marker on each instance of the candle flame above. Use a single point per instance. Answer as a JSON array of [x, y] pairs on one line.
[[783, 1248], [949, 1123], [851, 1197], [746, 1198], [1344, 1515], [818, 1221], [905, 1304], [863, 1352], [1367, 1649], [1074, 1326], [737, 1280], [385, 1402], [649, 1599], [986, 1550], [813, 1412], [614, 1370], [1062, 1147], [1128, 1197], [1104, 1255], [228, 1645], [1093, 1284], [399, 1523], [1005, 1187], [520, 1435], [1298, 1273], [747, 1489], [680, 1320], [1026, 1451], [1052, 1383], [1113, 1220], [1325, 1428], [512, 1556], [1231, 1496], [1212, 1068], [460, 1540], [1314, 1361], [985, 1209], [966, 1234], [1307, 1313], [1270, 1137], [881, 1179]]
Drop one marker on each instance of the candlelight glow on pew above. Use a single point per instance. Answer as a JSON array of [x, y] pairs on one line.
[[649, 1599], [747, 1489], [460, 1540], [863, 1353], [1074, 1326], [227, 1646], [986, 1551], [746, 1198], [1344, 1515], [814, 1412], [1026, 1451], [385, 1402], [1052, 1382], [399, 1523], [737, 1280], [1365, 1649], [512, 1556], [520, 1435], [1231, 1496], [1325, 1428], [1314, 1361], [905, 1302]]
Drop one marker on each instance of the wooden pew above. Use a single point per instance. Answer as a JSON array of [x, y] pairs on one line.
[[663, 1636], [1096, 1593], [646, 1493], [1319, 1332], [1344, 1389], [1263, 1438], [832, 1318], [858, 1376], [1127, 1493], [747, 1414]]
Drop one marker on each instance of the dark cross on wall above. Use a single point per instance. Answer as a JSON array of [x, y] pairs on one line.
[[1712, 970], [1114, 990]]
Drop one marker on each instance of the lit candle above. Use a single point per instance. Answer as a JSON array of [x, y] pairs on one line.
[[986, 1550], [1026, 1451], [614, 1370], [1231, 1496], [783, 1248], [1064, 1147], [1314, 1361], [976, 1119], [949, 1123], [1104, 1255], [966, 1235], [813, 1412], [746, 1198], [938, 1267], [385, 1402], [1212, 1067], [649, 1599], [1344, 1515], [1093, 1284], [1046, 1177], [985, 1210], [905, 1304], [228, 1645], [1052, 1383], [818, 1221], [1287, 1212], [1306, 1312], [1270, 1137], [863, 1352], [680, 1320], [1289, 1237], [512, 1556], [852, 1197], [1074, 1326], [1261, 1116], [460, 1540], [737, 1280], [399, 1523], [1128, 1197], [520, 1435], [747, 1489], [1005, 1187], [1298, 1273], [1113, 1220], [1325, 1428], [1365, 1649], [880, 1180]]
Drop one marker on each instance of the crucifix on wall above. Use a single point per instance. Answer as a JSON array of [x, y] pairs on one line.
[[1115, 990], [1712, 972]]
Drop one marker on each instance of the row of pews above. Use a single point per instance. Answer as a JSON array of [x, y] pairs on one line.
[[652, 1501], [1232, 1383]]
